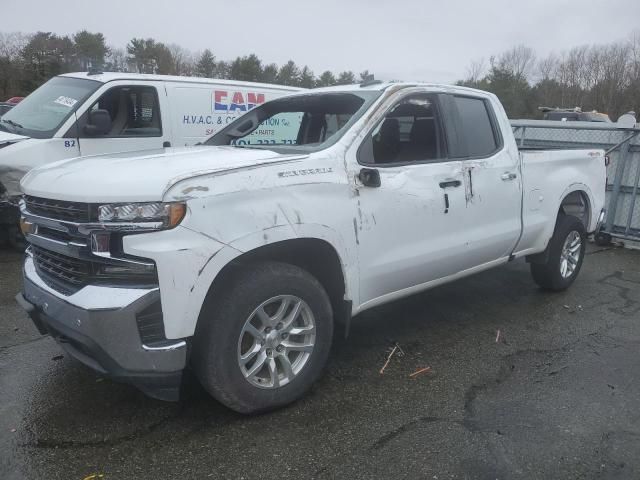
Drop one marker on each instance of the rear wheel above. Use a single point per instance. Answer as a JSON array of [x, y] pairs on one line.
[[565, 254], [264, 340]]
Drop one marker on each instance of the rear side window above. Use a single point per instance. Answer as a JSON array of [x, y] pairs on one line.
[[477, 126]]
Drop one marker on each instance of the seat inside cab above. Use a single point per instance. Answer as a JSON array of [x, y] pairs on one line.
[[410, 132]]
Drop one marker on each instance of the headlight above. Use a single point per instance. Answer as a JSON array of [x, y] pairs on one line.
[[168, 214]]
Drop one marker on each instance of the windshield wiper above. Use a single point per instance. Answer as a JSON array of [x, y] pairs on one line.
[[12, 123]]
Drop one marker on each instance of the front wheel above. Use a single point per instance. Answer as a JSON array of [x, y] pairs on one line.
[[565, 254], [264, 340]]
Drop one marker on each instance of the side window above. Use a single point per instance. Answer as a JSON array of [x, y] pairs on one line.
[[133, 112], [477, 126], [410, 132]]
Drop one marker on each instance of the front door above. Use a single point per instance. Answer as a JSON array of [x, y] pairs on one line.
[[410, 228], [135, 121]]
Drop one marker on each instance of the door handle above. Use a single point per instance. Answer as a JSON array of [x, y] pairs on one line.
[[450, 183], [166, 144], [508, 176]]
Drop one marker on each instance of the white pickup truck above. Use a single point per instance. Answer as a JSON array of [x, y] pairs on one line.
[[237, 256]]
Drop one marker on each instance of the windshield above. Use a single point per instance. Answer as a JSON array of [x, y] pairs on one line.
[[41, 114], [308, 122]]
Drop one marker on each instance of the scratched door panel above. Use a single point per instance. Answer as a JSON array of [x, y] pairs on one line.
[[492, 206], [410, 239]]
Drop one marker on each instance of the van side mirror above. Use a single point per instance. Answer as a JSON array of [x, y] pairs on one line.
[[99, 123]]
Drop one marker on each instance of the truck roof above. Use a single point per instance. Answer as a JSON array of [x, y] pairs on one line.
[[384, 85], [105, 77]]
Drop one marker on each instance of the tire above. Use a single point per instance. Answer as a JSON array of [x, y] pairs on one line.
[[565, 251], [225, 332]]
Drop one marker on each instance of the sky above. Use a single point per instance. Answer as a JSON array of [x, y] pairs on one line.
[[426, 40]]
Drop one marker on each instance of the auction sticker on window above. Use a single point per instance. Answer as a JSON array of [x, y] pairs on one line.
[[66, 101]]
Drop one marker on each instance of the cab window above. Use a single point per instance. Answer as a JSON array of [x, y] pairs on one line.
[[477, 126], [131, 111], [411, 132]]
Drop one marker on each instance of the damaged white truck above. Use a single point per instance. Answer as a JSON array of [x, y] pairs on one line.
[[236, 257]]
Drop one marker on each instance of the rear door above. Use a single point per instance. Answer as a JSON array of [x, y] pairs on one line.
[[492, 183], [137, 123]]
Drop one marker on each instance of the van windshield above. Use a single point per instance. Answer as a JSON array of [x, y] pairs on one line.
[[41, 114], [305, 123]]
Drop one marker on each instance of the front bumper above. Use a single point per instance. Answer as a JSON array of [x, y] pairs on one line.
[[97, 326]]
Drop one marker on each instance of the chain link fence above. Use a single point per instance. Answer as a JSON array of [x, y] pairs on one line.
[[623, 172]]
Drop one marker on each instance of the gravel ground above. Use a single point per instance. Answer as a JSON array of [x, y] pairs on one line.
[[556, 396]]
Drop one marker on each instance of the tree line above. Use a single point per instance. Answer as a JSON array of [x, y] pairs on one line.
[[602, 77], [29, 60]]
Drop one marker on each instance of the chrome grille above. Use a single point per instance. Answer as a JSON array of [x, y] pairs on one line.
[[73, 272], [67, 274], [58, 209]]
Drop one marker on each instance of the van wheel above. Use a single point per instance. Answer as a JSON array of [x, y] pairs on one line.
[[565, 254], [263, 340]]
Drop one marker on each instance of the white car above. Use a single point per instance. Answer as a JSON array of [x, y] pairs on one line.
[[239, 255], [82, 114]]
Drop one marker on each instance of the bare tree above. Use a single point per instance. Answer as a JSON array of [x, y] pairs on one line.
[[547, 68], [519, 61], [12, 68], [475, 71], [116, 60], [12, 43], [183, 60]]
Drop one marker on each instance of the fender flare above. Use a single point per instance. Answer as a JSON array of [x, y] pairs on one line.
[[581, 187], [254, 240]]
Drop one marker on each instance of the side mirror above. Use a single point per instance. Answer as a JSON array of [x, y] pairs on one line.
[[99, 123], [370, 177]]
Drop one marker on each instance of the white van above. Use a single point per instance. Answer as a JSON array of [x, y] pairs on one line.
[[81, 114]]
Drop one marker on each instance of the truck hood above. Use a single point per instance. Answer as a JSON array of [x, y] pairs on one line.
[[9, 177], [139, 176], [7, 138]]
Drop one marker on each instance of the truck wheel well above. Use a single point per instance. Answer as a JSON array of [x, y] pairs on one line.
[[577, 204], [315, 256]]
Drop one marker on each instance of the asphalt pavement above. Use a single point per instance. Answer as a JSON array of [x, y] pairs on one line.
[[523, 384]]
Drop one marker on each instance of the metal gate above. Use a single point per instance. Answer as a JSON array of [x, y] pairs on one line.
[[623, 172]]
